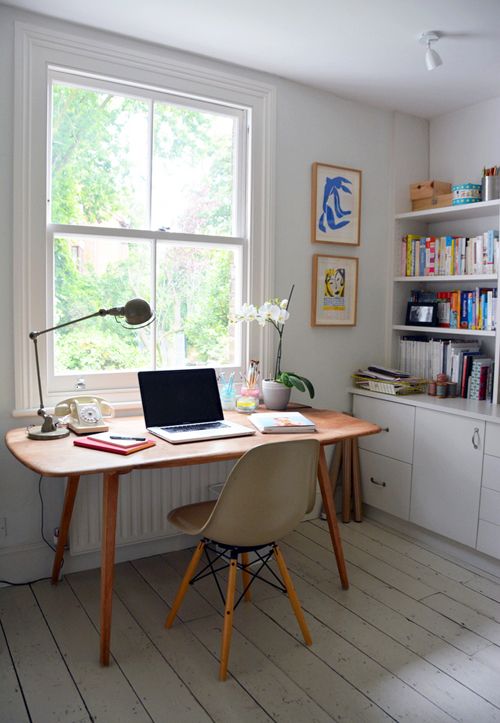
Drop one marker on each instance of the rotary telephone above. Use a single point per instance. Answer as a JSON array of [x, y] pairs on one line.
[[85, 415]]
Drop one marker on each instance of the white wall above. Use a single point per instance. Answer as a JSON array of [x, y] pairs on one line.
[[311, 126], [464, 141]]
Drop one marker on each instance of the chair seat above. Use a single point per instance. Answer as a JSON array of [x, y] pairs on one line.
[[191, 518]]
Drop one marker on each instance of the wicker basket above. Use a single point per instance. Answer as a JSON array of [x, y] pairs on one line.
[[411, 385]]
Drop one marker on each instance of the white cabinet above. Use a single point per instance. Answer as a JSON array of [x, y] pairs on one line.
[[385, 458], [488, 534], [446, 480]]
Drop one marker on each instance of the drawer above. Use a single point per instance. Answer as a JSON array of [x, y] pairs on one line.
[[386, 483], [488, 538], [491, 472], [397, 422], [492, 439], [489, 509]]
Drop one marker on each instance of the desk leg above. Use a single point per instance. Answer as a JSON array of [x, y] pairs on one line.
[[109, 512], [69, 501], [329, 508]]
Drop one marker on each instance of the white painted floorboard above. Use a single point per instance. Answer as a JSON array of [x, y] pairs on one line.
[[416, 638]]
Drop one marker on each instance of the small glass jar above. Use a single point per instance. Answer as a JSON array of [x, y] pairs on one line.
[[246, 404], [250, 391]]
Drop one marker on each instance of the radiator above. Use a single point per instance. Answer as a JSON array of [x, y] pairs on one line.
[[145, 499]]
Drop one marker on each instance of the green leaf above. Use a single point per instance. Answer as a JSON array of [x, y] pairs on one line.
[[297, 381]]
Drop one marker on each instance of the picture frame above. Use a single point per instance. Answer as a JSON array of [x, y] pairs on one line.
[[335, 204], [334, 290], [421, 313]]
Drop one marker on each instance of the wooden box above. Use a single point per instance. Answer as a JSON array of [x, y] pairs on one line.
[[428, 189], [439, 201]]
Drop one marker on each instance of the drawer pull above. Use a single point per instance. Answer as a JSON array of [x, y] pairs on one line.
[[376, 482], [475, 438], [384, 429]]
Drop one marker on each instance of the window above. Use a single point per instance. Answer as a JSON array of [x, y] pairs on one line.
[[150, 182], [144, 161]]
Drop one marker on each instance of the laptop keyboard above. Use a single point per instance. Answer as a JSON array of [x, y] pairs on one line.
[[195, 427]]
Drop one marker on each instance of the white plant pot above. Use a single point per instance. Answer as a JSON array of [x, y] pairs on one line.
[[275, 394]]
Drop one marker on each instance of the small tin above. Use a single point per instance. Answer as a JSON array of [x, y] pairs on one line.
[[431, 389], [441, 389], [466, 193]]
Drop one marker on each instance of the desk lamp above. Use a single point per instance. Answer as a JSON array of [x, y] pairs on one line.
[[137, 314]]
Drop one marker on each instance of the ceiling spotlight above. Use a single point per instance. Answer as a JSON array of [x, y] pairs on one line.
[[432, 58]]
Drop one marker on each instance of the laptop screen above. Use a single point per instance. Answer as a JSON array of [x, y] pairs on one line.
[[180, 396]]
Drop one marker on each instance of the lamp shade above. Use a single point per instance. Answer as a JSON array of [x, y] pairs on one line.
[[432, 59], [137, 312]]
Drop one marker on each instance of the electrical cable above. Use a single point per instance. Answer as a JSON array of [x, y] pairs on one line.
[[39, 579]]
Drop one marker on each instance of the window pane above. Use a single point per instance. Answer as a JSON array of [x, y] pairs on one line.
[[197, 288], [193, 171], [99, 162], [93, 273]]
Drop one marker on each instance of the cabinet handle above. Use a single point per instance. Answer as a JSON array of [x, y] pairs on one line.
[[376, 482], [384, 429], [475, 438]]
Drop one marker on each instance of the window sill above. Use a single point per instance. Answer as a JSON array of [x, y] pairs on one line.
[[122, 409]]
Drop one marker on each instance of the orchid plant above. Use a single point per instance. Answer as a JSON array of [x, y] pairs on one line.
[[275, 312]]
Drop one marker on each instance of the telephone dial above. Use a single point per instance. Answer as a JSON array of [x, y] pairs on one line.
[[85, 415]]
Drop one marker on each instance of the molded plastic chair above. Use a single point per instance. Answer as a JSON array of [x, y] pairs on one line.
[[265, 496]]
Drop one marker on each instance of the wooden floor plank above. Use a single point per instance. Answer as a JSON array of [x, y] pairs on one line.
[[160, 689], [463, 615], [414, 610], [191, 660], [463, 669], [107, 692], [50, 693], [275, 691], [12, 707]]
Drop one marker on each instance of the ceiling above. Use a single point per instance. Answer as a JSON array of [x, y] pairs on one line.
[[365, 50]]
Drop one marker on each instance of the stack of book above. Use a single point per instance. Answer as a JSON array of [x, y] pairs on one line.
[[282, 423], [115, 442], [449, 255]]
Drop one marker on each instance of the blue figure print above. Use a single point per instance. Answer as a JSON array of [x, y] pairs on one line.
[[333, 186]]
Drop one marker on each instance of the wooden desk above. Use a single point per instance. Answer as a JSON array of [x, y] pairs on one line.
[[60, 458]]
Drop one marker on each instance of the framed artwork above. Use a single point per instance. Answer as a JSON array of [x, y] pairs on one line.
[[422, 313], [334, 290], [335, 204]]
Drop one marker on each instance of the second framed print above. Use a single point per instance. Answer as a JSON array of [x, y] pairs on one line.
[[334, 290], [335, 204]]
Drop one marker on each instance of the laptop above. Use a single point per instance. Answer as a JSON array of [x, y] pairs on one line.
[[183, 405]]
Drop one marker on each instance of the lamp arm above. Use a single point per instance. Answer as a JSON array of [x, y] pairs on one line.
[[35, 334], [41, 410]]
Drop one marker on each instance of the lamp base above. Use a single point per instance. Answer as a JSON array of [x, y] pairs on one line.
[[36, 433]]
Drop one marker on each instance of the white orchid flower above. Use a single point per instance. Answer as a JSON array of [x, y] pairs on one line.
[[282, 316], [284, 303], [247, 313], [266, 309]]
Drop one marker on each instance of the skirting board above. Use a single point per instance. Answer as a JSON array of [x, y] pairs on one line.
[[434, 542]]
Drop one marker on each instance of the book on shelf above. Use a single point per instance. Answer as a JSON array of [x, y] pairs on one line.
[[105, 443], [282, 423], [473, 309], [449, 255]]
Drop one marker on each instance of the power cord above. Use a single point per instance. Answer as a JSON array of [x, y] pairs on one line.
[[39, 579]]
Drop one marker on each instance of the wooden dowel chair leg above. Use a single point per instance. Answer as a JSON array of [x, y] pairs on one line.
[[292, 596], [245, 576], [191, 569], [228, 620]]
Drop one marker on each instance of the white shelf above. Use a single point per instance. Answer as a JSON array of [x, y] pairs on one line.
[[443, 330], [448, 279], [452, 213]]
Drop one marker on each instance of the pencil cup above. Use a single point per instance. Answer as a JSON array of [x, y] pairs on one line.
[[228, 395], [490, 188]]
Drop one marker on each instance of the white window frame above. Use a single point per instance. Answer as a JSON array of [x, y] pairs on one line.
[[38, 49]]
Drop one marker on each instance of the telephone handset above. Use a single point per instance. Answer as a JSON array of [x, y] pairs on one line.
[[85, 414]]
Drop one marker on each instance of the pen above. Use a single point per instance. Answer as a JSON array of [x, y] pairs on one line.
[[138, 439]]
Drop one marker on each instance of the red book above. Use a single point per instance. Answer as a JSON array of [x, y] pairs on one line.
[[107, 447]]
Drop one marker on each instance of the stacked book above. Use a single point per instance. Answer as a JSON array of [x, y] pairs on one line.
[[282, 423], [449, 255], [115, 443], [388, 381], [462, 309]]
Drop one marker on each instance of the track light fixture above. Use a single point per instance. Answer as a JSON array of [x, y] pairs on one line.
[[432, 58]]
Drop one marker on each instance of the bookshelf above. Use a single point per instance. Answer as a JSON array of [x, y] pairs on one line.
[[468, 221]]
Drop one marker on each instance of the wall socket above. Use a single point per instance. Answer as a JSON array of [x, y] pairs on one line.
[[3, 527]]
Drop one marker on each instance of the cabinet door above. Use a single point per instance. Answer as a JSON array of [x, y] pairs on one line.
[[446, 481], [396, 420]]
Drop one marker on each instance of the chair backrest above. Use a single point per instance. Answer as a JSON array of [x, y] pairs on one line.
[[266, 494]]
